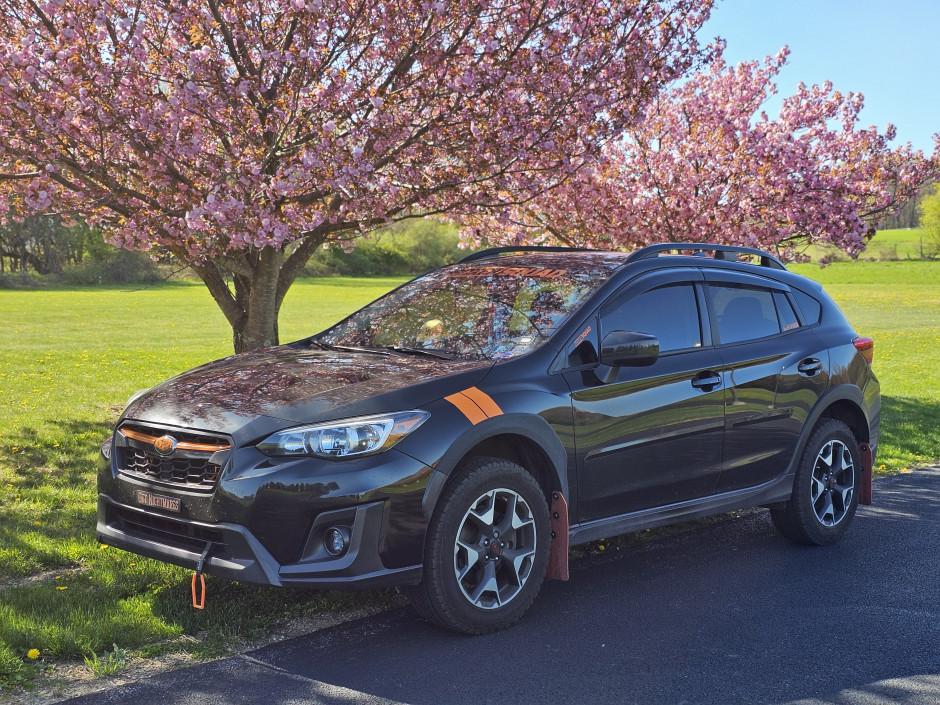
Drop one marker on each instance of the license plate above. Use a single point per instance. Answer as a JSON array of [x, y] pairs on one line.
[[149, 499]]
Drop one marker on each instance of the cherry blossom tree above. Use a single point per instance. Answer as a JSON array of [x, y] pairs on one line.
[[241, 135], [706, 164]]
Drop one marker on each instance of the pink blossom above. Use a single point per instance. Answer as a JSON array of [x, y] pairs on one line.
[[704, 164]]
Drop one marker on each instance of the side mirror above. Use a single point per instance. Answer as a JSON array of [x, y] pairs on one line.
[[627, 348]]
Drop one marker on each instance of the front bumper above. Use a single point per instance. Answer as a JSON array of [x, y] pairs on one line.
[[234, 553], [265, 520]]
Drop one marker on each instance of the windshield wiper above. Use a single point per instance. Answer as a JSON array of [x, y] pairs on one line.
[[344, 348], [439, 354]]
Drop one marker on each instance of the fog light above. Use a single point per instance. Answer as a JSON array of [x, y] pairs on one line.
[[336, 540]]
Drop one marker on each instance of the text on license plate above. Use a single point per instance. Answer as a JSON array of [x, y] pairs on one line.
[[159, 501]]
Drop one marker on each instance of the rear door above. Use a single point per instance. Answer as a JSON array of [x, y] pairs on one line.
[[773, 371], [649, 436]]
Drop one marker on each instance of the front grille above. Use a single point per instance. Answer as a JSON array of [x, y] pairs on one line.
[[164, 530], [194, 473], [187, 467]]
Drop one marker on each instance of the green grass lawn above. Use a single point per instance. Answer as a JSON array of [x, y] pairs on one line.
[[69, 358], [908, 243], [897, 304]]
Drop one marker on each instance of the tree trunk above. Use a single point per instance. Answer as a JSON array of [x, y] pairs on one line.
[[257, 328], [253, 307]]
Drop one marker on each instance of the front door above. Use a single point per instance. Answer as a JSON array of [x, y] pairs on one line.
[[650, 436]]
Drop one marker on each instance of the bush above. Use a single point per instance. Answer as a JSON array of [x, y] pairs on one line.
[[888, 253], [929, 212], [116, 267], [406, 248]]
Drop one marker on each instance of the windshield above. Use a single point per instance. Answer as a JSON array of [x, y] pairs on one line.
[[487, 309]]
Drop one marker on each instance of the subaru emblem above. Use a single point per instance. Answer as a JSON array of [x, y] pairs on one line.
[[165, 445]]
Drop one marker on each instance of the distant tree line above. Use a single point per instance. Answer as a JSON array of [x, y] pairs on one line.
[[43, 245], [405, 248], [79, 255], [929, 212], [908, 216], [74, 254]]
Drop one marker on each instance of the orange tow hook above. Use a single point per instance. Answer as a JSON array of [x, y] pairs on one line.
[[199, 595]]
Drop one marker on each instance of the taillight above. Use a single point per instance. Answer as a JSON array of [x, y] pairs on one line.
[[866, 346]]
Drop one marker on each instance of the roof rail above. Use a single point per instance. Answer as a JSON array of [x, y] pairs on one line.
[[492, 252], [699, 249]]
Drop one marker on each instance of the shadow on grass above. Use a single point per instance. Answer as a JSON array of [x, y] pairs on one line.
[[47, 496], [235, 612], [908, 432], [66, 454]]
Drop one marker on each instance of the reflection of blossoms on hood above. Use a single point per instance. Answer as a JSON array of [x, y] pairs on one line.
[[266, 381]]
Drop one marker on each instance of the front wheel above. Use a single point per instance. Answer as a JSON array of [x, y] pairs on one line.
[[825, 489], [487, 548]]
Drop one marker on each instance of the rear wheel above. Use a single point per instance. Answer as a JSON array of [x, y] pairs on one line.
[[825, 489], [487, 548]]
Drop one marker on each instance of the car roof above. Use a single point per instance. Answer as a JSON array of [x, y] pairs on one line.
[[682, 251]]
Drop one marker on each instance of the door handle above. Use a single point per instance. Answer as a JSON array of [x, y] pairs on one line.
[[706, 380], [810, 366]]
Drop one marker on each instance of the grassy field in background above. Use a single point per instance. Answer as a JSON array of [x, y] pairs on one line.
[[69, 358], [898, 305], [908, 243], [885, 246]]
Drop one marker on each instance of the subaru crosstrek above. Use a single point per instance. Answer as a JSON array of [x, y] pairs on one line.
[[459, 433]]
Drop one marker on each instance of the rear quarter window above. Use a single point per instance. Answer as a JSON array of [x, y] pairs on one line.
[[809, 307]]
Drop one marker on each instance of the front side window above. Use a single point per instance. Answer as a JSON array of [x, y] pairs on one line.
[[743, 312], [479, 310], [669, 312]]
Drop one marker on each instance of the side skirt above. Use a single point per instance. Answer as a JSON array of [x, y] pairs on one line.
[[778, 490]]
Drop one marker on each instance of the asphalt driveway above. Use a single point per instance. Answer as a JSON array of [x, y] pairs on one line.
[[727, 613]]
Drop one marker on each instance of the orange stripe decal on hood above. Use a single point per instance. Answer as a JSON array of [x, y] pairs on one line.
[[477, 406]]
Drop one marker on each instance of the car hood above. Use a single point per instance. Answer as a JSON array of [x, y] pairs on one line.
[[264, 388]]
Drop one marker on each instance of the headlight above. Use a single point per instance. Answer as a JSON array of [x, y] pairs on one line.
[[361, 436]]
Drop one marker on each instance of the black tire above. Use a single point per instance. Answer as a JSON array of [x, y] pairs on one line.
[[825, 489], [481, 573]]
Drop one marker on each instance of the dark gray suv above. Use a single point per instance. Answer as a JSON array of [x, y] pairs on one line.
[[459, 433]]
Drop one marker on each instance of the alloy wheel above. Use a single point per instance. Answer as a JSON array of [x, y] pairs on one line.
[[495, 548], [833, 483]]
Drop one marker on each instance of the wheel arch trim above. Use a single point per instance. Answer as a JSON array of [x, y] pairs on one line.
[[530, 427], [841, 393]]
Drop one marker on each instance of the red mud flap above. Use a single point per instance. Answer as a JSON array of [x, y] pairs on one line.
[[864, 494], [558, 559]]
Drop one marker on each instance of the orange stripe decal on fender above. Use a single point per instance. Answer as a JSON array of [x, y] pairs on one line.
[[467, 408], [484, 401], [477, 406]]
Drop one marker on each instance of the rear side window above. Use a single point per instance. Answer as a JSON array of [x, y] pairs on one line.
[[743, 312], [669, 312], [809, 306]]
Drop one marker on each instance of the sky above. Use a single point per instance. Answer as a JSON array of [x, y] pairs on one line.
[[888, 50]]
